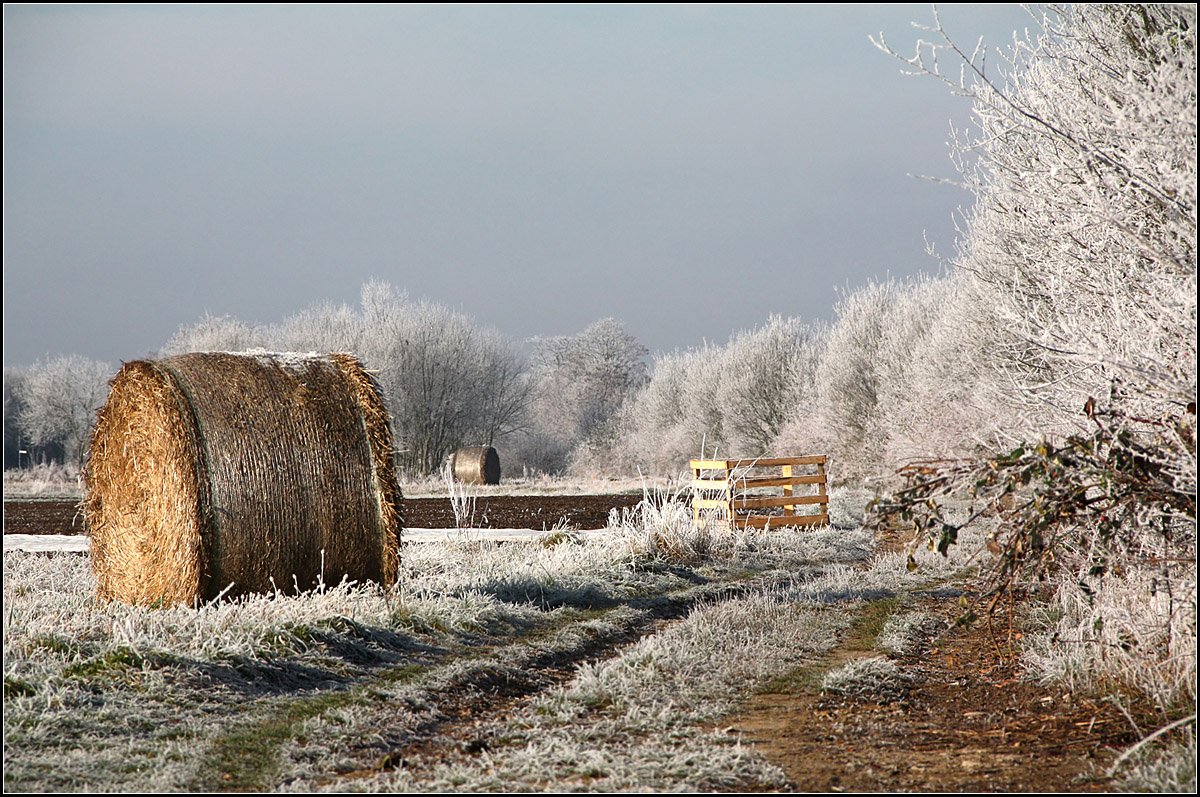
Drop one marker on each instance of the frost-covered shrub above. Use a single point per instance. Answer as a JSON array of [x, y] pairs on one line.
[[850, 374], [1075, 285], [581, 384], [954, 404], [723, 401], [677, 417], [768, 374], [1081, 247], [215, 333], [661, 428], [1136, 627], [1168, 768], [862, 408]]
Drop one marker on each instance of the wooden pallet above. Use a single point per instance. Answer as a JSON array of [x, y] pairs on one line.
[[733, 486]]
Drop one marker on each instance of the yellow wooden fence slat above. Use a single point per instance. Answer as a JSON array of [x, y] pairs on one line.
[[710, 503], [761, 521], [775, 462], [710, 464], [776, 481], [787, 500], [710, 484], [786, 470]]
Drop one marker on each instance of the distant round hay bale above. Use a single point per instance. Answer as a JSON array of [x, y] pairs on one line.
[[220, 473], [476, 465]]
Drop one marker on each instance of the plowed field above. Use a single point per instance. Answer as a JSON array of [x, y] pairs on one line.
[[490, 512]]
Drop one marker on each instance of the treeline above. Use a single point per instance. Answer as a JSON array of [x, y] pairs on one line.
[[50, 408], [871, 389], [448, 382]]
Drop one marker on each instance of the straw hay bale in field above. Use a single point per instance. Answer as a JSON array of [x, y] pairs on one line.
[[476, 465], [258, 470]]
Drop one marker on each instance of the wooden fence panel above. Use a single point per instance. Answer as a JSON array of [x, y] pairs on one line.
[[727, 490]]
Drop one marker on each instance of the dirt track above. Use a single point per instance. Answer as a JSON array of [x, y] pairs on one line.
[[490, 512], [966, 721]]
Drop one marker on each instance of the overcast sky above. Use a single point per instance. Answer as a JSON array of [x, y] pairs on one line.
[[689, 170]]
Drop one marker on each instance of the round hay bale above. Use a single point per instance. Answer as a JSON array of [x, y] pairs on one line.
[[221, 473], [476, 465]]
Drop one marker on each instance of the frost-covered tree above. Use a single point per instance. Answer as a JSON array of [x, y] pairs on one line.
[[857, 405], [1075, 277], [14, 400], [446, 382], [942, 398], [504, 389], [582, 382], [767, 376], [449, 383], [676, 416], [324, 327], [60, 400], [1081, 244], [214, 333], [848, 377]]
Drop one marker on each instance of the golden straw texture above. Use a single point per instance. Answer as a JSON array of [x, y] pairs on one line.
[[213, 473]]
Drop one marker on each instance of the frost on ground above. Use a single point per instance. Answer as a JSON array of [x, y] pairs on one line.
[[903, 633], [598, 663], [610, 656], [876, 679]]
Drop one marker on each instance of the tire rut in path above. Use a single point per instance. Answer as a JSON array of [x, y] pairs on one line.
[[489, 695], [491, 680]]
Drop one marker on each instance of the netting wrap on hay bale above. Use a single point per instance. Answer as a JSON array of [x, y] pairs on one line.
[[260, 471], [476, 465]]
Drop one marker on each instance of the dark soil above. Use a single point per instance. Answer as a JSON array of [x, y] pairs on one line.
[[519, 511], [42, 517], [490, 512]]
